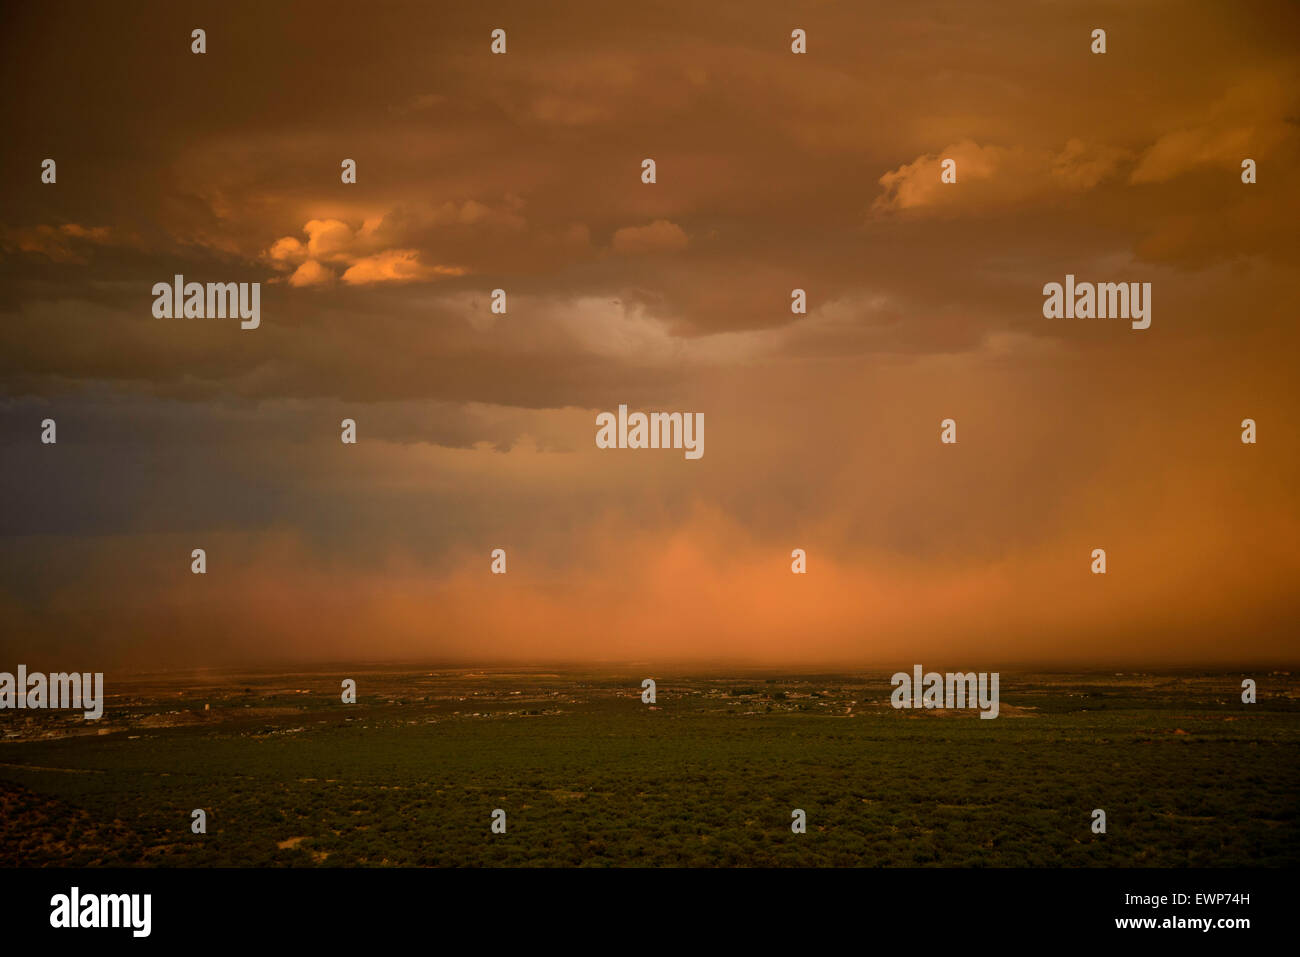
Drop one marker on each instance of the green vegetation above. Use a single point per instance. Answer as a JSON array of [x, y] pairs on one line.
[[588, 775]]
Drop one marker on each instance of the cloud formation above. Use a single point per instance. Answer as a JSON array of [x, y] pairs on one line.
[[776, 172], [332, 243]]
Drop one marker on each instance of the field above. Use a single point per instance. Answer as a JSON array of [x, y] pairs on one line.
[[589, 775]]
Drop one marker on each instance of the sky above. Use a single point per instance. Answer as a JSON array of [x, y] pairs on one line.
[[476, 431]]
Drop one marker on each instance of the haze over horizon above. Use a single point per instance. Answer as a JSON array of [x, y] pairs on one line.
[[476, 431], [666, 671]]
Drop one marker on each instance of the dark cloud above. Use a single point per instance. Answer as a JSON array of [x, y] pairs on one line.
[[522, 173]]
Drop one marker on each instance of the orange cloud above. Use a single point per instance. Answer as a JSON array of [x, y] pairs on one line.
[[1004, 175], [334, 242], [310, 273], [396, 265], [659, 236], [1251, 120], [62, 244]]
